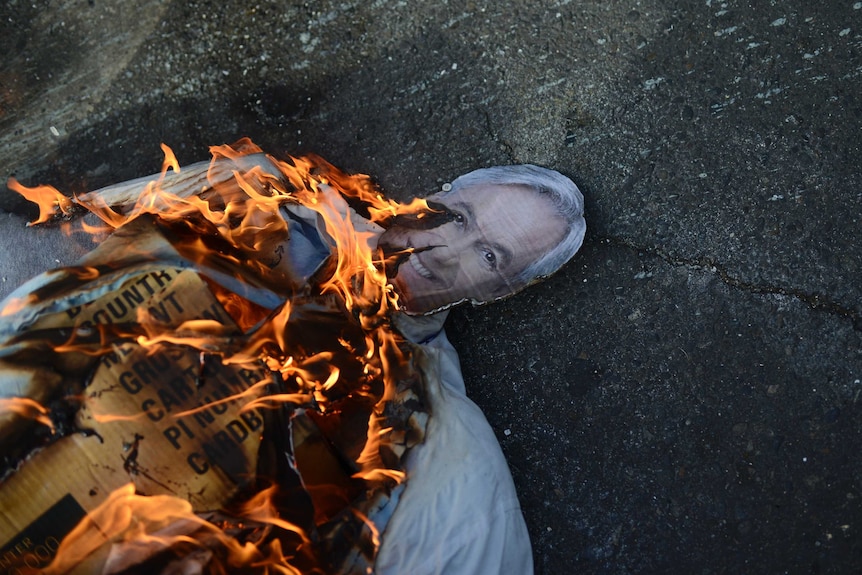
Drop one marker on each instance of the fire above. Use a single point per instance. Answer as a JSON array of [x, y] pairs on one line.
[[225, 219], [144, 526], [49, 200], [15, 305], [28, 408], [170, 160]]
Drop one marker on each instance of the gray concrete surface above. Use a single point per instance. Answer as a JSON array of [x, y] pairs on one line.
[[684, 396]]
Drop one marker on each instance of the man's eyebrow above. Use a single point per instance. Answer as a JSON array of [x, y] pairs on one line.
[[467, 209]]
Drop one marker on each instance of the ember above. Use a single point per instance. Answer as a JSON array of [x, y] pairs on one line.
[[203, 398]]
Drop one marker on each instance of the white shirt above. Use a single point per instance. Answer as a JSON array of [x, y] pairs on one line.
[[459, 513]]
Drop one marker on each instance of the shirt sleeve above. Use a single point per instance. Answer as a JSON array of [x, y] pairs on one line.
[[309, 244], [306, 247]]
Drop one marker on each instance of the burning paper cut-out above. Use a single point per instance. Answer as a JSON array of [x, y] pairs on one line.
[[217, 383]]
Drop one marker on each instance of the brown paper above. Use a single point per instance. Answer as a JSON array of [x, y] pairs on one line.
[[130, 422]]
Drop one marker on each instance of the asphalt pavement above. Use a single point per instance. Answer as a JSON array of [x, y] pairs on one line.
[[682, 397]]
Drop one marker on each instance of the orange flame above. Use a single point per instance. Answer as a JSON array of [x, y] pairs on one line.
[[17, 304], [243, 208], [47, 198], [28, 408], [140, 526], [261, 508], [170, 160]]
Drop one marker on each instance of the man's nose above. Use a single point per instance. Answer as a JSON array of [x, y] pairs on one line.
[[445, 254]]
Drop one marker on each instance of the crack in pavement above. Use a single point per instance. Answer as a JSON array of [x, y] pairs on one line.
[[494, 136], [815, 301]]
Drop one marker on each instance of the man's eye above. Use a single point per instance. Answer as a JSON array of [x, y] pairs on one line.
[[457, 218], [490, 258]]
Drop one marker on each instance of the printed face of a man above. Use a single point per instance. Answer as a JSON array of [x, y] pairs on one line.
[[494, 234]]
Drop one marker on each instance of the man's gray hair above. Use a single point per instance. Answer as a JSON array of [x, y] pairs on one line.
[[563, 193]]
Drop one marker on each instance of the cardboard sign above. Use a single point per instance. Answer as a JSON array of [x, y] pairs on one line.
[[154, 416]]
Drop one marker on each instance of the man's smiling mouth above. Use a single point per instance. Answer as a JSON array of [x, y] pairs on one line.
[[420, 269]]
